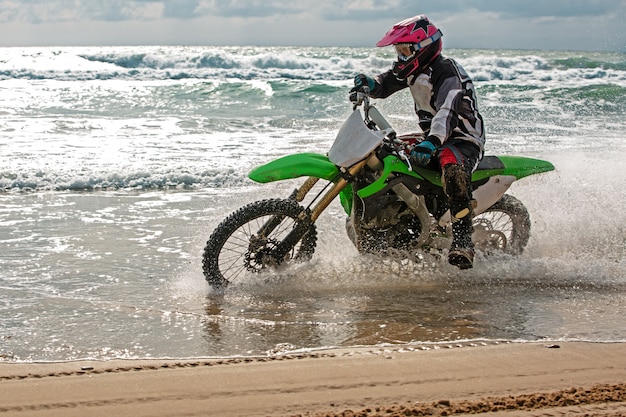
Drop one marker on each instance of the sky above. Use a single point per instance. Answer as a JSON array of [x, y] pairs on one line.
[[590, 25]]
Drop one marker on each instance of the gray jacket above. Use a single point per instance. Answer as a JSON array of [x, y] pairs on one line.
[[445, 100]]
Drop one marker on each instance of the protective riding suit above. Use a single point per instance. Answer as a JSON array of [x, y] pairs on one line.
[[445, 103]]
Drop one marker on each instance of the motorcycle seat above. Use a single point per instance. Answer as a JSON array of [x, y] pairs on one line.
[[490, 162]]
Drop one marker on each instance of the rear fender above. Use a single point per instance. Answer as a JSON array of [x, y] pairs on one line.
[[515, 166], [520, 166]]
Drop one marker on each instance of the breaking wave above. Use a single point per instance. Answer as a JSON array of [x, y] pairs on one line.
[[95, 118]]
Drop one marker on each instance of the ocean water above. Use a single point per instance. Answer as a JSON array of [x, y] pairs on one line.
[[117, 163]]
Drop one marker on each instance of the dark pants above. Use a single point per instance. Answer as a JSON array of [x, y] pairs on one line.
[[458, 159]]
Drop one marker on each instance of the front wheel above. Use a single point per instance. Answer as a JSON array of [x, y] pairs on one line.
[[263, 234], [503, 227]]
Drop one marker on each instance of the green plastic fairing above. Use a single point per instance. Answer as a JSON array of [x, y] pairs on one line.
[[302, 165], [294, 166], [521, 167], [517, 166], [317, 165], [395, 165]]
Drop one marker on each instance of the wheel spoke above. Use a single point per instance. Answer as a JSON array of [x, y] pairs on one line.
[[236, 248], [504, 227]]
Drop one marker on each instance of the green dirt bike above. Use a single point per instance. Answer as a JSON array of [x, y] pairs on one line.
[[393, 209]]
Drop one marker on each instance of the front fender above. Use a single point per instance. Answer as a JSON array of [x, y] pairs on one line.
[[294, 166], [302, 165]]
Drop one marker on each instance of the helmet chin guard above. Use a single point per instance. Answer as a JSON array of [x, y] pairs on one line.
[[403, 69]]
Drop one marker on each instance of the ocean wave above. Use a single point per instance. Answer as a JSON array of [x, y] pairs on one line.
[[591, 63], [137, 181], [138, 118], [307, 63], [601, 98], [536, 70]]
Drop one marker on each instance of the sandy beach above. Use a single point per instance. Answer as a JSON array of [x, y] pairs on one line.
[[494, 378]]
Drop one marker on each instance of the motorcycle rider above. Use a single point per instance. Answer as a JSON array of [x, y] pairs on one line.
[[445, 103]]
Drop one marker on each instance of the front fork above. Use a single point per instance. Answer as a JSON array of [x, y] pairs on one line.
[[299, 193], [306, 219]]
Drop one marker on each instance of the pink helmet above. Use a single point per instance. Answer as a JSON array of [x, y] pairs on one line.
[[417, 42]]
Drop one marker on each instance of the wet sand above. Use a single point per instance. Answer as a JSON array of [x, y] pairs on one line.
[[512, 379]]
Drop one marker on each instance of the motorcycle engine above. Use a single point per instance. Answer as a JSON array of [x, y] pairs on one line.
[[384, 212]]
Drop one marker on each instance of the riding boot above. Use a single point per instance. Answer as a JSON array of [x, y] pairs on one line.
[[458, 189], [461, 252]]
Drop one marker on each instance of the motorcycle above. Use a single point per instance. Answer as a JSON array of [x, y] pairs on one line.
[[392, 207]]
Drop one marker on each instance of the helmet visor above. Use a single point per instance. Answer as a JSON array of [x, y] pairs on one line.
[[405, 51]]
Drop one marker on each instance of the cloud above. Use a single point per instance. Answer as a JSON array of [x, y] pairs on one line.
[[252, 8], [552, 24], [51, 11], [54, 11], [513, 9]]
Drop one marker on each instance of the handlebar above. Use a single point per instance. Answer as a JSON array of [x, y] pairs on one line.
[[362, 98]]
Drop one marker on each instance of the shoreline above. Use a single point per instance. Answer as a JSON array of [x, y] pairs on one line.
[[364, 381]]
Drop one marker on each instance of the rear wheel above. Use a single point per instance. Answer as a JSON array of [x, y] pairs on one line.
[[503, 227], [258, 236]]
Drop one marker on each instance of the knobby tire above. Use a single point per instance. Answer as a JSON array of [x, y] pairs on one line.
[[234, 249]]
